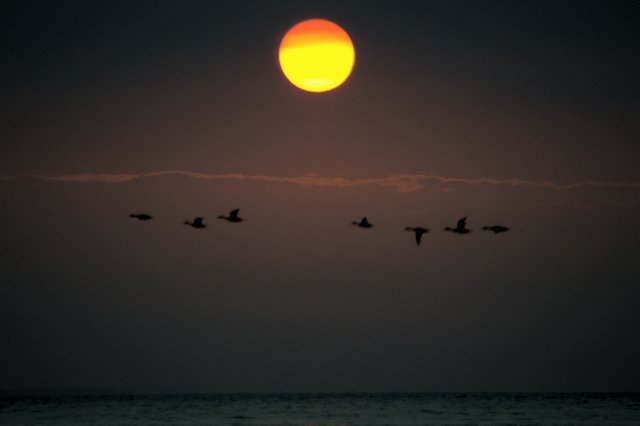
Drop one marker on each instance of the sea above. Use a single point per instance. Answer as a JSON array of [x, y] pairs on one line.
[[450, 409]]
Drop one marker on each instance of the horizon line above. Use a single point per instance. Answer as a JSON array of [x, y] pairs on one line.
[[399, 182]]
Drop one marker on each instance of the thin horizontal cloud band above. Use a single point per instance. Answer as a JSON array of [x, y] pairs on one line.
[[400, 182]]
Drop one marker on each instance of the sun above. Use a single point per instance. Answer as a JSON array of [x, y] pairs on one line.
[[316, 55]]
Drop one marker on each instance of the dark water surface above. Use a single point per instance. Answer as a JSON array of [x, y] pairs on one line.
[[327, 409]]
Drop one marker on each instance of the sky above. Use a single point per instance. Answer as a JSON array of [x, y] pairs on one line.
[[523, 114]]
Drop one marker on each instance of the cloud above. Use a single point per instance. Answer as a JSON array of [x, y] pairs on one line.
[[399, 182]]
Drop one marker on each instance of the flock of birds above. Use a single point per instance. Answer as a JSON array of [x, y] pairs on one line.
[[461, 226], [198, 222]]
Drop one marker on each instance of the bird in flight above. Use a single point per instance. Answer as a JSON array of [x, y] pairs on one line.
[[496, 228], [233, 216], [364, 223], [141, 216], [461, 227], [197, 223], [418, 231]]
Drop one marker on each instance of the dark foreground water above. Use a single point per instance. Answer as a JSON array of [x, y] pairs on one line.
[[326, 409]]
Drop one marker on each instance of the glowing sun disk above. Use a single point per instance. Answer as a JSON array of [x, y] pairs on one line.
[[316, 55]]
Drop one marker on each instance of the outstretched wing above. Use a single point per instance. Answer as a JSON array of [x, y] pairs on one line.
[[462, 223], [197, 221], [234, 214], [418, 237], [364, 222]]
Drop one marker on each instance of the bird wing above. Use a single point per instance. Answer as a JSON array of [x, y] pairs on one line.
[[234, 213], [418, 237], [197, 221], [462, 222], [364, 221]]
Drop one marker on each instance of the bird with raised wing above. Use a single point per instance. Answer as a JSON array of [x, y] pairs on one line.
[[364, 223], [233, 216], [461, 227]]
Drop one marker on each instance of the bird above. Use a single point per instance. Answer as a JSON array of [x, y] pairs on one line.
[[233, 216], [418, 231], [364, 223], [141, 216], [495, 228], [461, 227], [197, 223]]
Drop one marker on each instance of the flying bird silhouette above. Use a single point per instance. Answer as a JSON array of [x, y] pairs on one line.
[[495, 228], [141, 216], [418, 231], [364, 223], [197, 223], [461, 227], [233, 216]]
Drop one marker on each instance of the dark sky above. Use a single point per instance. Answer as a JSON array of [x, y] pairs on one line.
[[522, 113]]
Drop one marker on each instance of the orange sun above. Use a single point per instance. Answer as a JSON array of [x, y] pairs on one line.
[[316, 55]]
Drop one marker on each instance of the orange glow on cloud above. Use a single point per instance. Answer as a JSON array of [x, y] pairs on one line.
[[399, 182], [316, 55]]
